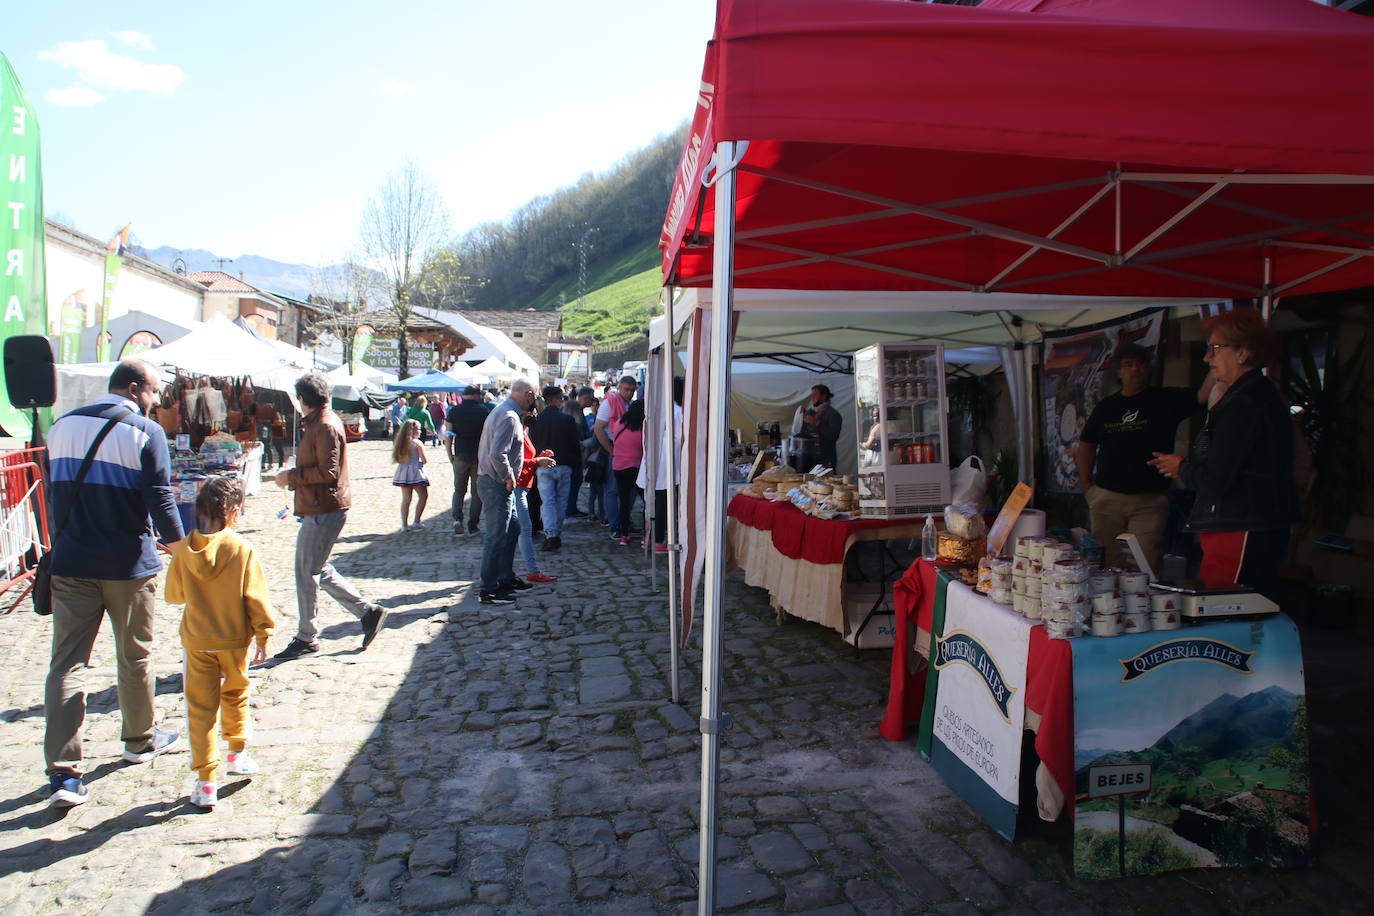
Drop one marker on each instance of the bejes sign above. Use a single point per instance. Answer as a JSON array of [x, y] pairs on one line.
[[1118, 779]]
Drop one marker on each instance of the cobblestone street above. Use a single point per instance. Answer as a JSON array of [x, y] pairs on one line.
[[526, 759]]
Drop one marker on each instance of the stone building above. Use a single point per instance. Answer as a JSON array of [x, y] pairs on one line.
[[540, 335]]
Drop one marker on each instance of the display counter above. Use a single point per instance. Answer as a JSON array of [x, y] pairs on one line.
[[1213, 716], [799, 558]]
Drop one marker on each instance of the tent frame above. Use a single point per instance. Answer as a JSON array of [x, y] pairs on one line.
[[1140, 255]]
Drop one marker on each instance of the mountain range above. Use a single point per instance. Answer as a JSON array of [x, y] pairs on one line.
[[292, 280], [1229, 727]]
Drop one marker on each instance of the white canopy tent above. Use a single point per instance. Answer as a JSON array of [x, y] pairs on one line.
[[497, 371], [512, 356], [81, 383], [222, 349], [488, 343], [981, 333], [465, 373], [779, 321], [350, 386]]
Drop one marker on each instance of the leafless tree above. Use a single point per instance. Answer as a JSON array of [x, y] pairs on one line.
[[401, 227], [340, 291]]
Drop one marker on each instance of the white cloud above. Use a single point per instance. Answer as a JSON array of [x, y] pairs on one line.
[[394, 89], [99, 66], [135, 39], [74, 97]]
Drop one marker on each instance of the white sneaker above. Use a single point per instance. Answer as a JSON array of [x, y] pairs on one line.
[[240, 763], [161, 743], [204, 795], [418, 526]]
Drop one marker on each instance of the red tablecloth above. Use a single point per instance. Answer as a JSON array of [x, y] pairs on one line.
[[913, 599], [799, 536], [1049, 678]]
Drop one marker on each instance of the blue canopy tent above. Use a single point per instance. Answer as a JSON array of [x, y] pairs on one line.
[[433, 380]]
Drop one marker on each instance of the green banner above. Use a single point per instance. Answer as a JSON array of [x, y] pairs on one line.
[[22, 290], [73, 318], [102, 343], [362, 339]]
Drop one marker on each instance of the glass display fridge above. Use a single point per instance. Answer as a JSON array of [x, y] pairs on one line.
[[902, 427]]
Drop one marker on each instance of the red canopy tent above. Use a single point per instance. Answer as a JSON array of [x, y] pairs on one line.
[[1096, 147], [1167, 148]]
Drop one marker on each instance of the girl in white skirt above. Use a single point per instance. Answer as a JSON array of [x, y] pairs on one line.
[[409, 455]]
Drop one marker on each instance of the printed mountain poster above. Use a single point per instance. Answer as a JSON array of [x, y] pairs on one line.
[[1219, 712]]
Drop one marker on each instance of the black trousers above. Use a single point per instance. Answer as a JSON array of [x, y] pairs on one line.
[[626, 488], [660, 516]]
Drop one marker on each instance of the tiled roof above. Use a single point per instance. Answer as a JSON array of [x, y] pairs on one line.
[[517, 319], [218, 281]]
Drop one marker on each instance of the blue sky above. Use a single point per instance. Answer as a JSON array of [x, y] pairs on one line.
[[1171, 693], [263, 128]]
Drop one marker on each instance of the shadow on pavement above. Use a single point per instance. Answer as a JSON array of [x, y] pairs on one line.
[[45, 852], [528, 762]]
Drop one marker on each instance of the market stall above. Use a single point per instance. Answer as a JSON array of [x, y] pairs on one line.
[[1101, 148], [220, 455], [1157, 699]]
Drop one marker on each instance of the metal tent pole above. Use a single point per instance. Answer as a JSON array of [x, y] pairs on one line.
[[722, 307], [669, 355], [1027, 470], [1267, 303], [651, 447]]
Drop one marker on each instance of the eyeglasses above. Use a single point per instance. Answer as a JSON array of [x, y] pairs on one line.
[[1213, 348]]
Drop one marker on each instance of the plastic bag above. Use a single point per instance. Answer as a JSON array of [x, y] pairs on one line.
[[969, 485]]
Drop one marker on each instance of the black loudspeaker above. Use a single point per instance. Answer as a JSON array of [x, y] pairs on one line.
[[29, 375]]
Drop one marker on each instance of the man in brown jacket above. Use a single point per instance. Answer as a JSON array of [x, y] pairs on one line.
[[320, 481]]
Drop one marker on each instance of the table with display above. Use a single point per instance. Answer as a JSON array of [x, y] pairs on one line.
[[918, 599], [1239, 661], [800, 559], [247, 468]]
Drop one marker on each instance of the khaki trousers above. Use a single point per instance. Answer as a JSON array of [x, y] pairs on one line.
[[217, 689], [78, 606], [1141, 514]]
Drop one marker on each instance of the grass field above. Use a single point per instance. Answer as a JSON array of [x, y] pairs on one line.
[[615, 314], [602, 271]]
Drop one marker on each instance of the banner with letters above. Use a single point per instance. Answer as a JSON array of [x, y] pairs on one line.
[[979, 708], [1078, 372], [1219, 714], [23, 290]]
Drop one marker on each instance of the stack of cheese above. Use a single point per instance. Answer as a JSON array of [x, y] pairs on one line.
[[832, 496], [965, 538], [773, 483]]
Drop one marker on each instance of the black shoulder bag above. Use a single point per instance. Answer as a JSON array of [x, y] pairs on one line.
[[42, 577]]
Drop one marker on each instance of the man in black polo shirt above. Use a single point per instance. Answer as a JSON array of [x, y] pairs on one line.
[[557, 432], [464, 430], [1124, 494]]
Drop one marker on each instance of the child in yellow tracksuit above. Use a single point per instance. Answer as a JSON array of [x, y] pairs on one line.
[[215, 573]]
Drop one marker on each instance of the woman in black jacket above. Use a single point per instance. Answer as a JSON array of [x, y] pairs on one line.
[[1242, 467]]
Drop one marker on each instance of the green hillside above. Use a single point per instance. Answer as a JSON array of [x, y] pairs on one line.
[[603, 269], [616, 314]]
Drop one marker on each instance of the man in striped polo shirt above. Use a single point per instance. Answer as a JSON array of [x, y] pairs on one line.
[[105, 563]]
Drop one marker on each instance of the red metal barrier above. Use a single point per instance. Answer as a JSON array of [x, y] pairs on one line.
[[24, 536]]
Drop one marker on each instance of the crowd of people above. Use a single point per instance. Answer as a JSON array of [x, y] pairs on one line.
[[518, 469]]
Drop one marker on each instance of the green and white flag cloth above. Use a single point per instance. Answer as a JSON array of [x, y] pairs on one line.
[[23, 294], [362, 339]]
